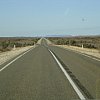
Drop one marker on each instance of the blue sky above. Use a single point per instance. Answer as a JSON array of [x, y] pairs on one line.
[[49, 17]]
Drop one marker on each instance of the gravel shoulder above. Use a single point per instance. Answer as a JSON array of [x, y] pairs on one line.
[[5, 56], [91, 52]]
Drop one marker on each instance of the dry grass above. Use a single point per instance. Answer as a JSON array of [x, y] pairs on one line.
[[92, 52], [5, 56]]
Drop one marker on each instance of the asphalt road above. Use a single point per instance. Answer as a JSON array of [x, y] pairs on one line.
[[37, 76]]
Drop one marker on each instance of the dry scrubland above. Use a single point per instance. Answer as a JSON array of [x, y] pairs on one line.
[[7, 44], [91, 45], [7, 50]]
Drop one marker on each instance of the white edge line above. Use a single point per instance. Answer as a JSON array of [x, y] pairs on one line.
[[89, 56], [81, 96], [15, 59], [81, 53]]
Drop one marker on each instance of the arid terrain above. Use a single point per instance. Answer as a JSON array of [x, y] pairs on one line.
[[12, 47], [87, 45], [46, 70], [8, 43]]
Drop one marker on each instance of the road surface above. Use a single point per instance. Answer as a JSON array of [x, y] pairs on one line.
[[37, 76]]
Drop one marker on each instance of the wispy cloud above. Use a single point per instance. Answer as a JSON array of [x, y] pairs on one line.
[[66, 11]]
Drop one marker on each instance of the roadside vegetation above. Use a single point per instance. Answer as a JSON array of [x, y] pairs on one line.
[[7, 44], [87, 42]]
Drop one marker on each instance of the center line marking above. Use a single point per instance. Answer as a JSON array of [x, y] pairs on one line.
[[81, 96]]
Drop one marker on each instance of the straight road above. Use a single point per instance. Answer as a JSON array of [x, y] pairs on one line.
[[85, 69], [37, 76]]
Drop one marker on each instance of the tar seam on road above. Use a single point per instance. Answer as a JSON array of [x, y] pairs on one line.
[[15, 59], [81, 96]]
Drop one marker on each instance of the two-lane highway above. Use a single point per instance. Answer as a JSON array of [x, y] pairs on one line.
[[37, 75]]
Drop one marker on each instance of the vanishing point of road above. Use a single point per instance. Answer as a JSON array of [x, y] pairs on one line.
[[36, 75]]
